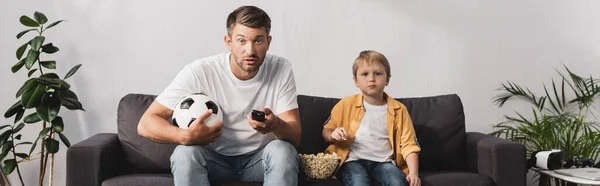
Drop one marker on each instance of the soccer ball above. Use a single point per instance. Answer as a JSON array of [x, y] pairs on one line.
[[191, 107]]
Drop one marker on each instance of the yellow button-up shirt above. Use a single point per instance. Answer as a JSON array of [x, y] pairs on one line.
[[348, 113]]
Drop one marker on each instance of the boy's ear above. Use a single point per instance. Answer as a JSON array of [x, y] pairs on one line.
[[355, 83], [227, 41], [388, 81]]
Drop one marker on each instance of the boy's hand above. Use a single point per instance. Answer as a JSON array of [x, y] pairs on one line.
[[413, 179], [339, 135]]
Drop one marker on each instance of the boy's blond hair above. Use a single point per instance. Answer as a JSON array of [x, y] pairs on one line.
[[370, 57]]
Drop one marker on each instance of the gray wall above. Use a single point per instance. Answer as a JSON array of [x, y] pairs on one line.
[[466, 47]]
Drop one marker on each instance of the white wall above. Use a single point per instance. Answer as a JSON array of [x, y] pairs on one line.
[[465, 47]]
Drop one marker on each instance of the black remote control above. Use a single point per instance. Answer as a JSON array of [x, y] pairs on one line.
[[258, 115]]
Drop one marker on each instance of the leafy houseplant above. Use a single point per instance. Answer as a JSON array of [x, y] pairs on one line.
[[558, 121], [42, 96]]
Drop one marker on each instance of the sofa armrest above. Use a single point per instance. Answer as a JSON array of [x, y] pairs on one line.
[[93, 160], [502, 160]]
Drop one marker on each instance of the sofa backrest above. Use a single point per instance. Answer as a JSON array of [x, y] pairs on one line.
[[141, 154], [439, 122]]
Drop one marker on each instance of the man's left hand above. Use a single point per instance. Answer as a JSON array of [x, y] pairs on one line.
[[269, 125]]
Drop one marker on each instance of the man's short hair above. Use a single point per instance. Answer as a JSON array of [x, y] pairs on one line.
[[371, 56], [250, 16]]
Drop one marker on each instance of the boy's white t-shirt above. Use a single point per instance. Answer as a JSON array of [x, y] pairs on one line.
[[273, 87], [371, 141]]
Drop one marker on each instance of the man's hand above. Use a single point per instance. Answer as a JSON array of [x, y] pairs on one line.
[[199, 133], [269, 125], [339, 135], [413, 179]]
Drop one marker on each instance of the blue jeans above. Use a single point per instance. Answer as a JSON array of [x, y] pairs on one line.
[[275, 165], [358, 173]]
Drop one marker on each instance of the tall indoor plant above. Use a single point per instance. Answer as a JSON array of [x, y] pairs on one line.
[[559, 120], [40, 97]]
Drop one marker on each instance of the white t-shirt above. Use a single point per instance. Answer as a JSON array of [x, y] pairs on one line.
[[371, 141], [273, 87]]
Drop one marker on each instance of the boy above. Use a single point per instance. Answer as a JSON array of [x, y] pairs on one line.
[[371, 132]]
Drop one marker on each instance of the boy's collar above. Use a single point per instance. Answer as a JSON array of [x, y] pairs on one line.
[[392, 105]]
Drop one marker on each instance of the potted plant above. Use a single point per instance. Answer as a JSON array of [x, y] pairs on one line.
[[559, 120], [39, 99]]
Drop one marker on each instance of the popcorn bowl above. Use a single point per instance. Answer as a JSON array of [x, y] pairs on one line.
[[320, 166]]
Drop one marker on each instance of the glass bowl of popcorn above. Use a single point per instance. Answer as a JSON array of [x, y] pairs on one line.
[[320, 166]]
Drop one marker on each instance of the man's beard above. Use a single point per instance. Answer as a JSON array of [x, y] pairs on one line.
[[249, 70]]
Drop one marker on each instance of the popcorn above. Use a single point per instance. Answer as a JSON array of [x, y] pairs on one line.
[[320, 166]]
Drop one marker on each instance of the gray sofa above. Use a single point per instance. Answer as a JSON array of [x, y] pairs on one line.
[[450, 156]]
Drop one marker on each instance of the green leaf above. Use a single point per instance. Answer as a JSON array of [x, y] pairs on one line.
[[18, 128], [22, 155], [51, 145], [50, 75], [60, 85], [57, 124], [49, 48], [32, 118], [49, 107], [64, 139], [48, 64], [43, 133], [32, 56], [19, 115], [14, 109], [6, 147], [24, 32], [53, 83], [4, 126], [40, 17], [9, 166], [28, 21], [72, 71], [18, 137], [67, 94], [33, 97], [17, 66], [37, 42], [53, 24], [21, 50], [33, 147], [31, 72], [5, 136], [71, 104], [28, 85], [45, 81]]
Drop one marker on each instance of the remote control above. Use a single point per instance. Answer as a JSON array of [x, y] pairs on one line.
[[258, 115]]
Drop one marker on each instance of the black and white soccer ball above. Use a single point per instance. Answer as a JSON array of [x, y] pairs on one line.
[[191, 107]]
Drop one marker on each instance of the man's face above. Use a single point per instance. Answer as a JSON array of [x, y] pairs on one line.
[[371, 78], [248, 47]]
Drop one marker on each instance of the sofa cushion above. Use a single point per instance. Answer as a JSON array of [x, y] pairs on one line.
[[314, 111], [162, 180], [439, 122], [140, 180], [142, 155], [454, 178]]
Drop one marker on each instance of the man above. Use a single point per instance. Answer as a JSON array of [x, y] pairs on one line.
[[246, 78]]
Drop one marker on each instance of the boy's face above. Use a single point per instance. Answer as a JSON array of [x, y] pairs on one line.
[[248, 47], [371, 79]]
